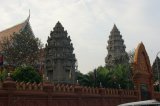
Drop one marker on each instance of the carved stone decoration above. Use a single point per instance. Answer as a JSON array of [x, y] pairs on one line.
[[116, 49], [60, 59], [142, 73]]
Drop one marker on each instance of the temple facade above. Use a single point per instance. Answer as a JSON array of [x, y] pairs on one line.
[[60, 59], [116, 49]]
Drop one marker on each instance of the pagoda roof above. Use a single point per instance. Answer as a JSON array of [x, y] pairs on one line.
[[115, 29], [7, 33], [58, 24], [58, 27]]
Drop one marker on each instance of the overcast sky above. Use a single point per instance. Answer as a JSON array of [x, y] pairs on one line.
[[89, 23]]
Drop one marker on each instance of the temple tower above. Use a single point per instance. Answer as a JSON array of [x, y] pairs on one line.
[[60, 59], [116, 49]]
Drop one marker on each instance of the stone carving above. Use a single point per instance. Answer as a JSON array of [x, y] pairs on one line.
[[116, 49], [60, 59]]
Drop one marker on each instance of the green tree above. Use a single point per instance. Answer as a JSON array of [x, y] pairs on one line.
[[26, 74], [117, 77], [85, 79], [121, 77], [131, 56], [101, 76], [155, 69], [21, 48], [3, 75]]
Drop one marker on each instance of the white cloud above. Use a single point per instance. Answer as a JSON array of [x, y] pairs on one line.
[[89, 23]]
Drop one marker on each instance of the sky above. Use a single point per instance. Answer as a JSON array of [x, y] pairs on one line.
[[88, 23]]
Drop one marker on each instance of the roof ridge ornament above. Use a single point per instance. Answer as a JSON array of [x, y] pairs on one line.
[[28, 16], [115, 28], [58, 27]]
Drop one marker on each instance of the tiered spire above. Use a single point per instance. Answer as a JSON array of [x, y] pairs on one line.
[[116, 49], [115, 29], [58, 27], [60, 59]]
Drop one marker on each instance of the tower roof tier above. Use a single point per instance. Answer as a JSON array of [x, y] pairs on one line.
[[116, 49], [58, 27], [60, 59]]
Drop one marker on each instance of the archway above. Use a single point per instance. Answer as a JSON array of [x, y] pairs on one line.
[[142, 73]]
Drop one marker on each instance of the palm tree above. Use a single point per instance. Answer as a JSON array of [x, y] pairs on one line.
[[117, 77], [85, 79]]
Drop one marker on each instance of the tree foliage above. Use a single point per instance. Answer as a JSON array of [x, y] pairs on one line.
[[85, 79], [26, 74], [156, 68], [131, 56], [117, 77], [20, 49], [3, 75]]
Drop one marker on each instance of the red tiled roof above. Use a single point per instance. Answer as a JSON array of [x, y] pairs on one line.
[[17, 28], [9, 32]]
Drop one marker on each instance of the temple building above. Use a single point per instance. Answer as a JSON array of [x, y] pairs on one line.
[[60, 59], [7, 33], [22, 27], [116, 49]]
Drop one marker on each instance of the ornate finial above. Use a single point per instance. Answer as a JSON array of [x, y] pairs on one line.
[[28, 16], [115, 27], [114, 24], [141, 42], [29, 13], [59, 24], [58, 27]]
